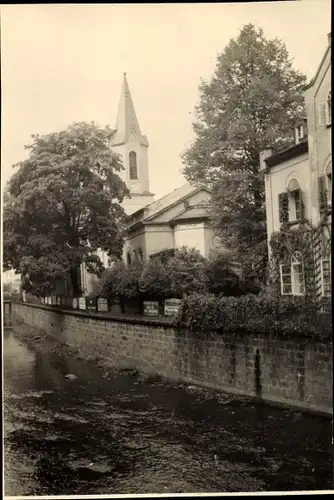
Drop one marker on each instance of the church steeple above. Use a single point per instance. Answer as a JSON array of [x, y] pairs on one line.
[[127, 124], [128, 141]]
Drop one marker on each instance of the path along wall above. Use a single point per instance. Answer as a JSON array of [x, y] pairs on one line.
[[292, 371]]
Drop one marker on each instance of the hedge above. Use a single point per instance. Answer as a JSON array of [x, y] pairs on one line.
[[186, 272], [254, 314]]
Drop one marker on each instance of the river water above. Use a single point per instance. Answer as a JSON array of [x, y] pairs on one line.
[[113, 433]]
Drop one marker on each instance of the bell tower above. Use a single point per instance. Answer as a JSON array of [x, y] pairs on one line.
[[128, 141]]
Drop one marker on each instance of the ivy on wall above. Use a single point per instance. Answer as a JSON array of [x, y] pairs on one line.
[[312, 242]]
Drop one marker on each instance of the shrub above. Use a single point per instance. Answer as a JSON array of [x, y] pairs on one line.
[[104, 285], [249, 313], [221, 278], [127, 280], [200, 312], [186, 270], [120, 280], [175, 274], [32, 299], [155, 281]]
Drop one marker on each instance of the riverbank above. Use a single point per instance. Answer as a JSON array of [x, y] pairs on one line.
[[292, 372], [48, 345], [104, 432]]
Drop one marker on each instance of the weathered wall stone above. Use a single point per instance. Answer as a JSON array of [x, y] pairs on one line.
[[294, 372]]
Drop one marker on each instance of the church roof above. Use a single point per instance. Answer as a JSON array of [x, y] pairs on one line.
[[149, 213], [194, 212], [170, 199], [127, 123]]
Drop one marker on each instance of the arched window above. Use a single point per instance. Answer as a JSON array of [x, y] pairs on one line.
[[295, 201], [285, 273], [128, 258], [292, 274], [133, 165], [141, 257], [297, 274]]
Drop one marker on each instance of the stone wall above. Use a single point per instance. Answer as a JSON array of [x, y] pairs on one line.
[[293, 372]]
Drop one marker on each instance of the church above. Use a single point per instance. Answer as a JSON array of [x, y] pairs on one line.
[[181, 218]]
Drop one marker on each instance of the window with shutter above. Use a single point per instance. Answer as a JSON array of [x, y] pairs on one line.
[[285, 272], [322, 112], [292, 274], [299, 133], [297, 201], [329, 183], [286, 283], [329, 190], [141, 255], [329, 109], [322, 193], [297, 274], [283, 207]]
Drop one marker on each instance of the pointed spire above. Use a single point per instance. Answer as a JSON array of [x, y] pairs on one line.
[[127, 122]]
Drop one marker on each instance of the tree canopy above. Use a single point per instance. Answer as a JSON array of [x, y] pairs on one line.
[[63, 204], [251, 102]]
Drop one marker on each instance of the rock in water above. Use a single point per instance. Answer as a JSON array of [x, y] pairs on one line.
[[129, 371], [70, 376]]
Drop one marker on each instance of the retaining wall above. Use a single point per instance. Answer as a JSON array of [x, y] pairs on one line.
[[291, 371]]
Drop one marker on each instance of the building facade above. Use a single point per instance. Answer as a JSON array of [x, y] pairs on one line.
[[298, 188], [180, 218]]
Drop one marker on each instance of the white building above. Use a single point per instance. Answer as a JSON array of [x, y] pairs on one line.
[[298, 188], [12, 280]]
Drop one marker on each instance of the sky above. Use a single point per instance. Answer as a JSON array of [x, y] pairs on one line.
[[64, 63]]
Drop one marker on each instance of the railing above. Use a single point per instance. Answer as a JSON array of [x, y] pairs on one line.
[[7, 314]]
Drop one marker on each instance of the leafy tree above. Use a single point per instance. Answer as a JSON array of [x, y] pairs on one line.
[[186, 271], [63, 204], [251, 102]]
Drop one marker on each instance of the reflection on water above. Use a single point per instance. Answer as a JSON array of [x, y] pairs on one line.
[[124, 434]]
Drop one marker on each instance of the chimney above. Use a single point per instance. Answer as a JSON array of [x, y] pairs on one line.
[[263, 156]]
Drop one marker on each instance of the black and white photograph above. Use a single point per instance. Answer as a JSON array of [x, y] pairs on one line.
[[166, 217]]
